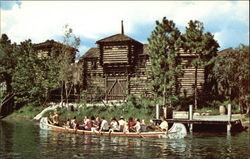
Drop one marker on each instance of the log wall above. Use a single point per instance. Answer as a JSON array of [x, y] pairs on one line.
[[115, 54], [94, 80], [187, 81], [121, 67], [138, 81]]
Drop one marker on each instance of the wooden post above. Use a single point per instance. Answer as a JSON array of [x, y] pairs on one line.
[[106, 87], [165, 112], [229, 112], [190, 112], [157, 111], [229, 115], [191, 117]]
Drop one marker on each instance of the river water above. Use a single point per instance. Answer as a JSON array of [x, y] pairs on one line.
[[24, 139]]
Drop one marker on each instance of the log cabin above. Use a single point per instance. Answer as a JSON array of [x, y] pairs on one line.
[[57, 50], [54, 48], [117, 68]]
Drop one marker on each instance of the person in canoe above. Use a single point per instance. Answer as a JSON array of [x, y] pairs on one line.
[[121, 123], [137, 126], [131, 123], [126, 127], [143, 126], [96, 124], [114, 125], [89, 124], [55, 119], [50, 118], [104, 125], [67, 124], [164, 124], [74, 123]]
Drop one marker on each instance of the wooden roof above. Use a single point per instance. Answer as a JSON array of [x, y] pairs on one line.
[[117, 38], [95, 52], [225, 51], [92, 53], [50, 44]]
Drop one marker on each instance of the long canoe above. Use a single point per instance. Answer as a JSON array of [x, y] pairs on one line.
[[178, 130]]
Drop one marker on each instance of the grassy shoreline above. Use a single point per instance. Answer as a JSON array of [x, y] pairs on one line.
[[29, 112]]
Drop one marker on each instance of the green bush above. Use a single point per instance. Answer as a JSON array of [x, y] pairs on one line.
[[141, 110]]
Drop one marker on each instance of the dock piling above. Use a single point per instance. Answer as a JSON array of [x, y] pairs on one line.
[[191, 117], [229, 117], [157, 111]]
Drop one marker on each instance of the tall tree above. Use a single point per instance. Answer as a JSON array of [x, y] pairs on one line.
[[34, 77], [66, 62], [162, 54], [231, 72], [24, 78], [203, 45], [7, 67], [7, 61]]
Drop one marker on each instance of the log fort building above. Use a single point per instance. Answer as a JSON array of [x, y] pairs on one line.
[[117, 68]]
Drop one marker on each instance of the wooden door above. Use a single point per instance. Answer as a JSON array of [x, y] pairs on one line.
[[116, 88]]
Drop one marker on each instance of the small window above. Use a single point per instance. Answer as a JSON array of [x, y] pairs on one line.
[[94, 65], [143, 62]]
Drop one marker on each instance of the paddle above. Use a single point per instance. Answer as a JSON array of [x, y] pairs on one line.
[[141, 136], [110, 131]]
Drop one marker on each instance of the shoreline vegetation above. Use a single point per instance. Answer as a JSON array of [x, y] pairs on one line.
[[125, 110]]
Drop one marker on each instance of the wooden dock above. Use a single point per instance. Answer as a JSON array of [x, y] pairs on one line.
[[208, 123]]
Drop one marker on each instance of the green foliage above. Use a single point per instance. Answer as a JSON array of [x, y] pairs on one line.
[[33, 77], [136, 107], [7, 64], [83, 97], [109, 112], [203, 45], [231, 71], [27, 111], [29, 77], [65, 62], [24, 78], [97, 94], [162, 53]]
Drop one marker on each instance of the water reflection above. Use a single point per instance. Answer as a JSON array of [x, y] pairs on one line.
[[22, 139], [122, 147]]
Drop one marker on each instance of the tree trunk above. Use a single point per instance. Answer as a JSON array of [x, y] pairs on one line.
[[195, 89], [170, 99], [66, 94], [164, 92], [62, 85]]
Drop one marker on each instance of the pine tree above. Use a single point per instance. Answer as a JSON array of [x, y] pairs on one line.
[[203, 45], [163, 72]]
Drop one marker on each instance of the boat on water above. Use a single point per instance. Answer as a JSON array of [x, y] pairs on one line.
[[177, 131]]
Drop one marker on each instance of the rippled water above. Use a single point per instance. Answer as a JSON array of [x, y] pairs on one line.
[[24, 139]]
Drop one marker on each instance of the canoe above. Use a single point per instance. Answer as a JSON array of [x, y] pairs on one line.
[[178, 130]]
